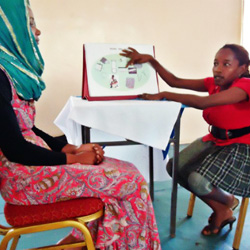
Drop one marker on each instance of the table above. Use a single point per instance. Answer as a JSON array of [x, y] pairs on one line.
[[139, 122]]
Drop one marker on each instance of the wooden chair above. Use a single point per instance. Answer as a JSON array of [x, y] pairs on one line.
[[74, 213], [240, 223]]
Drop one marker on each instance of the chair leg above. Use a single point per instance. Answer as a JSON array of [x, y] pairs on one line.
[[191, 205], [14, 242], [240, 223]]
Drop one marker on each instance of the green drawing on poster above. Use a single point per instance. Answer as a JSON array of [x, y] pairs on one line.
[[110, 72]]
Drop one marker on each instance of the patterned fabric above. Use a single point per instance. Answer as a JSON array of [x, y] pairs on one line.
[[128, 222], [20, 216], [19, 53], [228, 167]]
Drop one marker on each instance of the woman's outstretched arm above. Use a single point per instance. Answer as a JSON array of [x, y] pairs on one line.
[[167, 76]]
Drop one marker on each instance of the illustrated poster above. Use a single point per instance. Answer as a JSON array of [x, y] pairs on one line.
[[107, 74]]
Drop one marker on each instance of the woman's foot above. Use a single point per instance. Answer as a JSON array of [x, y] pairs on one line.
[[218, 221], [234, 205], [213, 230], [70, 239]]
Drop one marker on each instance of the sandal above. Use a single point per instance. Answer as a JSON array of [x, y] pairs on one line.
[[213, 230], [234, 206]]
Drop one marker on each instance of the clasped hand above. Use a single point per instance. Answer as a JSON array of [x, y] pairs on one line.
[[86, 153]]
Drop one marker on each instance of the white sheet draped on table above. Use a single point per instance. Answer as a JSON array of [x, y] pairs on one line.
[[147, 122]]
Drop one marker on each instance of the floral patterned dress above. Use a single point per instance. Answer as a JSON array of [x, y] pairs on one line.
[[128, 221]]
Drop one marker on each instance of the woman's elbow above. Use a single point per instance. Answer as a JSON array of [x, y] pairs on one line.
[[200, 106], [11, 157], [200, 103]]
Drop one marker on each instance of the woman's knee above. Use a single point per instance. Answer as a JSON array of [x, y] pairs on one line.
[[199, 184]]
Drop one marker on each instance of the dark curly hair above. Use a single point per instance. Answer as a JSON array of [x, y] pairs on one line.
[[241, 55]]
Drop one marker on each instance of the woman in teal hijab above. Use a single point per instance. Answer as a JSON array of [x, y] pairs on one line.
[[19, 53], [35, 168]]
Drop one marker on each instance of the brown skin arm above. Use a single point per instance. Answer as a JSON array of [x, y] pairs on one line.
[[229, 96], [85, 154], [167, 76]]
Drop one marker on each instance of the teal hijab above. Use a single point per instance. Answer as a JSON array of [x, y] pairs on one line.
[[20, 57]]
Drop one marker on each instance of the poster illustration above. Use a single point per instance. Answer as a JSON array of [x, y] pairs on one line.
[[108, 76]]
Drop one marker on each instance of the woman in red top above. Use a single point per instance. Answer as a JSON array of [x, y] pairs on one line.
[[219, 160]]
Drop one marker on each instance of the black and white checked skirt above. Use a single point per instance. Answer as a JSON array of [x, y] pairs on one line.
[[228, 167]]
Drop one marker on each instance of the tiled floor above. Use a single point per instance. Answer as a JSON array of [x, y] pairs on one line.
[[188, 235]]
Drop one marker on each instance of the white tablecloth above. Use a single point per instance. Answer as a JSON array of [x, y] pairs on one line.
[[147, 122]]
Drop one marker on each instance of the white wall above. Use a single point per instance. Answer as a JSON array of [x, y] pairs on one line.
[[186, 35], [246, 25]]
